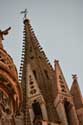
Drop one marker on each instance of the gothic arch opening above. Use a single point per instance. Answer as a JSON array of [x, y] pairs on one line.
[[66, 106], [37, 110]]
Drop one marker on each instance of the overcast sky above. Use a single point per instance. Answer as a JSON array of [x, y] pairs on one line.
[[58, 25]]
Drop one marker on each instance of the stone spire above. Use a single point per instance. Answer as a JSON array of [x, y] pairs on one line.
[[77, 98], [40, 83], [61, 84], [64, 101], [76, 93]]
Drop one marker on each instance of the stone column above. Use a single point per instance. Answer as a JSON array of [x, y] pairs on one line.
[[73, 116], [61, 112], [31, 114], [44, 112]]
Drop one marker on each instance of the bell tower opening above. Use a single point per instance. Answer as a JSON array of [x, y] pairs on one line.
[[37, 110]]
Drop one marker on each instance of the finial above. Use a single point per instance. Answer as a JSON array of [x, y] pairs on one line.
[[25, 13], [74, 76], [56, 61]]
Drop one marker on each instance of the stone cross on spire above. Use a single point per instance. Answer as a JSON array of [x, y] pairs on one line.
[[25, 13], [2, 33]]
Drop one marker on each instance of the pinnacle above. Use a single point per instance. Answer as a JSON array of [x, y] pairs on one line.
[[74, 76], [56, 62]]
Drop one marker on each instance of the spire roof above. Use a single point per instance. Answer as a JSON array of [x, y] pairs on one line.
[[61, 84], [33, 55], [76, 93], [31, 47]]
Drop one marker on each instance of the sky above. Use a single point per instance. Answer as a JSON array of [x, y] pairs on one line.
[[58, 25]]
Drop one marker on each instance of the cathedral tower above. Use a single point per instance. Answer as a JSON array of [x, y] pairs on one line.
[[41, 95], [47, 99]]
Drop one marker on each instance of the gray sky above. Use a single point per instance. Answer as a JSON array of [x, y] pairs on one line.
[[58, 25]]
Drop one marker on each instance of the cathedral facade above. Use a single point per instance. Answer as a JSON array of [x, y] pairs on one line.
[[41, 95]]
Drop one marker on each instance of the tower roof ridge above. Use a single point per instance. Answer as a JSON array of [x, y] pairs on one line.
[[40, 47]]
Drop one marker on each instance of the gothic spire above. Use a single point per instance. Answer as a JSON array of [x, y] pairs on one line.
[[31, 48], [64, 100], [76, 93], [42, 74], [61, 84]]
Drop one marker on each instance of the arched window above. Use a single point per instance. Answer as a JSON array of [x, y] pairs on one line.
[[66, 106], [37, 110]]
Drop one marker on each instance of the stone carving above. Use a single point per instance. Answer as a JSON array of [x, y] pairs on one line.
[[5, 32]]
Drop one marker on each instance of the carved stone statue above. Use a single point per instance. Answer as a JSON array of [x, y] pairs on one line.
[[5, 32], [2, 33]]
